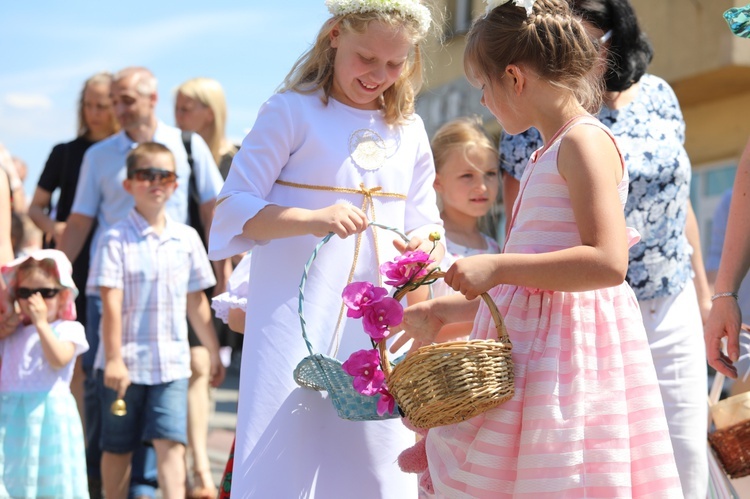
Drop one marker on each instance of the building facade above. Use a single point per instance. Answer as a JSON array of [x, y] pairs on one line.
[[708, 67]]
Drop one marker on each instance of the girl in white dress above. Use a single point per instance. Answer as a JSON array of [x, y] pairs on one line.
[[466, 181], [337, 147]]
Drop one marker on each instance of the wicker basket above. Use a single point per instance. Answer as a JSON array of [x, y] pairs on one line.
[[323, 373], [732, 446], [436, 385], [731, 439], [450, 382]]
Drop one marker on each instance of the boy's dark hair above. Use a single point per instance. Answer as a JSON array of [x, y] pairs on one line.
[[144, 149], [630, 52]]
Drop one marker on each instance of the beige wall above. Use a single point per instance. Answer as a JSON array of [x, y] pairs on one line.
[[708, 67]]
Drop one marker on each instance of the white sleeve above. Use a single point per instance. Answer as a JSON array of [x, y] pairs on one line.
[[107, 268], [236, 294], [422, 214], [255, 168], [73, 331]]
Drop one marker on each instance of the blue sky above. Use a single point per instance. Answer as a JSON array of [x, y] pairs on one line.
[[48, 48]]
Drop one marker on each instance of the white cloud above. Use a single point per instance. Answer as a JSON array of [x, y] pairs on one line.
[[19, 100]]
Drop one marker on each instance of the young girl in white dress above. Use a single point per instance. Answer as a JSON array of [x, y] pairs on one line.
[[467, 182], [41, 438], [337, 147]]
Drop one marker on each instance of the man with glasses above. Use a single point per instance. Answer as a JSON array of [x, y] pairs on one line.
[[101, 201]]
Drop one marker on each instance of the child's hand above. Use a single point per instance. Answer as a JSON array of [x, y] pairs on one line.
[[420, 323], [473, 275], [35, 309], [341, 219], [116, 376], [217, 370]]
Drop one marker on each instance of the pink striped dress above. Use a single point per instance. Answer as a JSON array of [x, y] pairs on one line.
[[587, 418]]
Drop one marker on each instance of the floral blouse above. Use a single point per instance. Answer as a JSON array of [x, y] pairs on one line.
[[650, 132]]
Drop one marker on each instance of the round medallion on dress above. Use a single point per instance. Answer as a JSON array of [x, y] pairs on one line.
[[367, 149]]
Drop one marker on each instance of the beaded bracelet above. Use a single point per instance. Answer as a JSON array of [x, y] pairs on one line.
[[722, 295]]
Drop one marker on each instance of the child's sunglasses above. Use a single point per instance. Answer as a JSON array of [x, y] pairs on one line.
[[152, 174], [26, 293]]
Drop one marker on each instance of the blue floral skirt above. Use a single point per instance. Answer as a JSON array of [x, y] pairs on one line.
[[41, 446]]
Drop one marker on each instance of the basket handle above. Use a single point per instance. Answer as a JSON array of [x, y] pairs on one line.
[[502, 332], [313, 256], [715, 393]]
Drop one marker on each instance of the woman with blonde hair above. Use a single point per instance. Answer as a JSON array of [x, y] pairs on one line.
[[200, 106]]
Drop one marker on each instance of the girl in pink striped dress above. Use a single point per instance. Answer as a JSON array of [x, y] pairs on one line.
[[587, 418]]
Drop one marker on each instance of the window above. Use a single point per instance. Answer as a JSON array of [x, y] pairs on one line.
[[460, 17], [707, 187]]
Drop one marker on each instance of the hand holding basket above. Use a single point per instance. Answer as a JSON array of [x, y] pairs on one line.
[[446, 383], [436, 385]]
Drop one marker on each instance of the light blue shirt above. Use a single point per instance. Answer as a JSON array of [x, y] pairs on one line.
[[100, 194]]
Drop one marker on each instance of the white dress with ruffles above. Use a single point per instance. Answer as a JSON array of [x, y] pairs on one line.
[[290, 440]]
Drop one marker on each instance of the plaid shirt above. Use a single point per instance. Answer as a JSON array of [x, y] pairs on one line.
[[156, 273]]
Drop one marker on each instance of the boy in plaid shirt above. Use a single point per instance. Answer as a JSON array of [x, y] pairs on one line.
[[151, 271]]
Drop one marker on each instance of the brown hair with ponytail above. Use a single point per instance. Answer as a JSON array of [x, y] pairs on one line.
[[550, 40]]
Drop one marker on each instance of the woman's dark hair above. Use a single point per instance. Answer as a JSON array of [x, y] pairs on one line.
[[630, 52]]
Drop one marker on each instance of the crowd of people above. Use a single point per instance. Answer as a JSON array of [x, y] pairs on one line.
[[106, 363]]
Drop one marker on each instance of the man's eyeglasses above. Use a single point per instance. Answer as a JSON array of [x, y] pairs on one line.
[[26, 293], [152, 174]]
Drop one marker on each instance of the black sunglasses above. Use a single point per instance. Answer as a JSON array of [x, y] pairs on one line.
[[152, 174], [25, 293]]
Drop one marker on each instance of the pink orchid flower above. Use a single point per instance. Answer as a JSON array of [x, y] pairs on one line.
[[364, 366], [359, 295], [386, 402], [380, 315], [406, 268]]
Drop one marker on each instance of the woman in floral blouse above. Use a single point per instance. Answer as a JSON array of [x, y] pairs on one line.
[[666, 270]]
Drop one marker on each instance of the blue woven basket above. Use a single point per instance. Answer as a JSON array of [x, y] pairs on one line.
[[321, 372]]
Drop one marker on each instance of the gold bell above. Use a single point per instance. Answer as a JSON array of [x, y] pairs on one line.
[[434, 236], [118, 408]]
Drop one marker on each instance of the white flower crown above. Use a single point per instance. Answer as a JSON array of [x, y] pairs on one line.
[[526, 4], [408, 8]]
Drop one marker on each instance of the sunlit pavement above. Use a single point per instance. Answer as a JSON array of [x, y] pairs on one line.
[[223, 420]]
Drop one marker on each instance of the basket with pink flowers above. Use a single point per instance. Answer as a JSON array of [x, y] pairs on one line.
[[435, 385]]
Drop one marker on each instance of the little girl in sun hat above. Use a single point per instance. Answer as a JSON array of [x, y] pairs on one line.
[[41, 437]]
